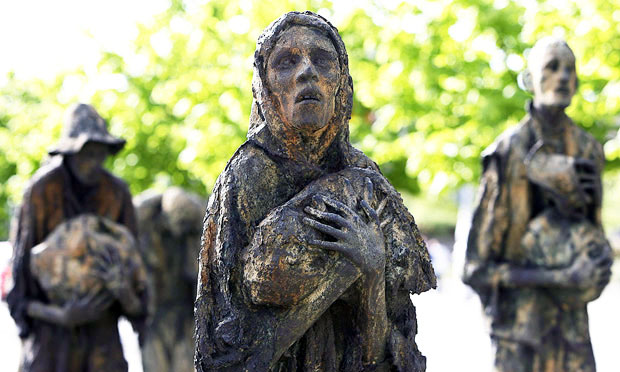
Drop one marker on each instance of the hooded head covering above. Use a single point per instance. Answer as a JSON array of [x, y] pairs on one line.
[[264, 176], [83, 124], [267, 128]]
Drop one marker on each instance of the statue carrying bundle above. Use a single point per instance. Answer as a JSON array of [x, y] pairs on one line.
[[71, 262]]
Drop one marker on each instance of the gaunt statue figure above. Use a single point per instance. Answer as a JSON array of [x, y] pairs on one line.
[[170, 225], [75, 262], [308, 254], [536, 252]]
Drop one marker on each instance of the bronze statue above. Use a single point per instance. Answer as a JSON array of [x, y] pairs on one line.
[[71, 288], [170, 225], [537, 253], [308, 254]]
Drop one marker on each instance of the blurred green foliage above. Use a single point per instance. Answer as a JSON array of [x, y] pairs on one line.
[[435, 83]]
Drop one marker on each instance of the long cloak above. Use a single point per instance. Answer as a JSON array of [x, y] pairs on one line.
[[49, 200], [235, 334]]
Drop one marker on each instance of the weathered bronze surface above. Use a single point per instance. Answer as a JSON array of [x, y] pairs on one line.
[[537, 253], [170, 225], [308, 254], [77, 211]]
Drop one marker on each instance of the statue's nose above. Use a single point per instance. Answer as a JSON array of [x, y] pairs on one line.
[[307, 71], [565, 75]]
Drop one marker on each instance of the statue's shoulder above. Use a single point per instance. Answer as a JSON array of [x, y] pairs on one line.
[[514, 139], [586, 140], [115, 184], [249, 160], [248, 169], [148, 205], [51, 172], [357, 159]]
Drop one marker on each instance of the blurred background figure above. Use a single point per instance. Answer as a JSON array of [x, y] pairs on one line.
[[170, 225], [72, 277], [537, 253]]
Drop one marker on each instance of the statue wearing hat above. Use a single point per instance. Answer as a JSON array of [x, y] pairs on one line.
[[536, 252], [75, 263], [170, 224]]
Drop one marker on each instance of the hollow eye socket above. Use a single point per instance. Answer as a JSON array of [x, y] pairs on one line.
[[324, 59], [594, 249], [286, 61], [553, 65]]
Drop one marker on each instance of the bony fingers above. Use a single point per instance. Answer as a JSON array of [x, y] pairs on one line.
[[329, 230], [385, 222], [339, 206], [104, 300], [332, 246], [587, 176], [104, 256], [99, 258], [586, 164], [330, 217], [337, 247], [371, 213], [381, 208], [368, 189], [114, 254]]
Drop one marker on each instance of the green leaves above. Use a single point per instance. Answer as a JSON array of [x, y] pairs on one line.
[[435, 83]]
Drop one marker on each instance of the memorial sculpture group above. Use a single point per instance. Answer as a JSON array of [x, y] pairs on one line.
[[308, 255]]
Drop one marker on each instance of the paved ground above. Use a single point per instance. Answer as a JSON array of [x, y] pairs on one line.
[[452, 331]]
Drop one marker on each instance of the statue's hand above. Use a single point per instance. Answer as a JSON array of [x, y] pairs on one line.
[[87, 309], [110, 269], [117, 279], [228, 333], [74, 313], [359, 239], [587, 272], [589, 180]]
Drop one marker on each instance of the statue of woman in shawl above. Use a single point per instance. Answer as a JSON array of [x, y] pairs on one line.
[[308, 255]]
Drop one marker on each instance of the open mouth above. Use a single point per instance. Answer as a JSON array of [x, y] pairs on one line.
[[308, 96]]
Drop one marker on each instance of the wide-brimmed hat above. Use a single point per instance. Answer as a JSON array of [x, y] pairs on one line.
[[83, 124]]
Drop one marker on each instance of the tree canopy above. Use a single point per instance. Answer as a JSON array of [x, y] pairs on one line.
[[435, 82]]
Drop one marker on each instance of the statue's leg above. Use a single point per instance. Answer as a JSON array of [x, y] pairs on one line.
[[183, 353], [580, 358], [511, 356], [557, 355], [155, 353], [34, 357]]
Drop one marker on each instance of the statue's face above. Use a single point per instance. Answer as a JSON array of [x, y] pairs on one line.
[[87, 164], [554, 78], [303, 74]]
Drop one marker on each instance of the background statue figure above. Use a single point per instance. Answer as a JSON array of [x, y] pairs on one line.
[[83, 220], [308, 255], [536, 251], [170, 225]]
